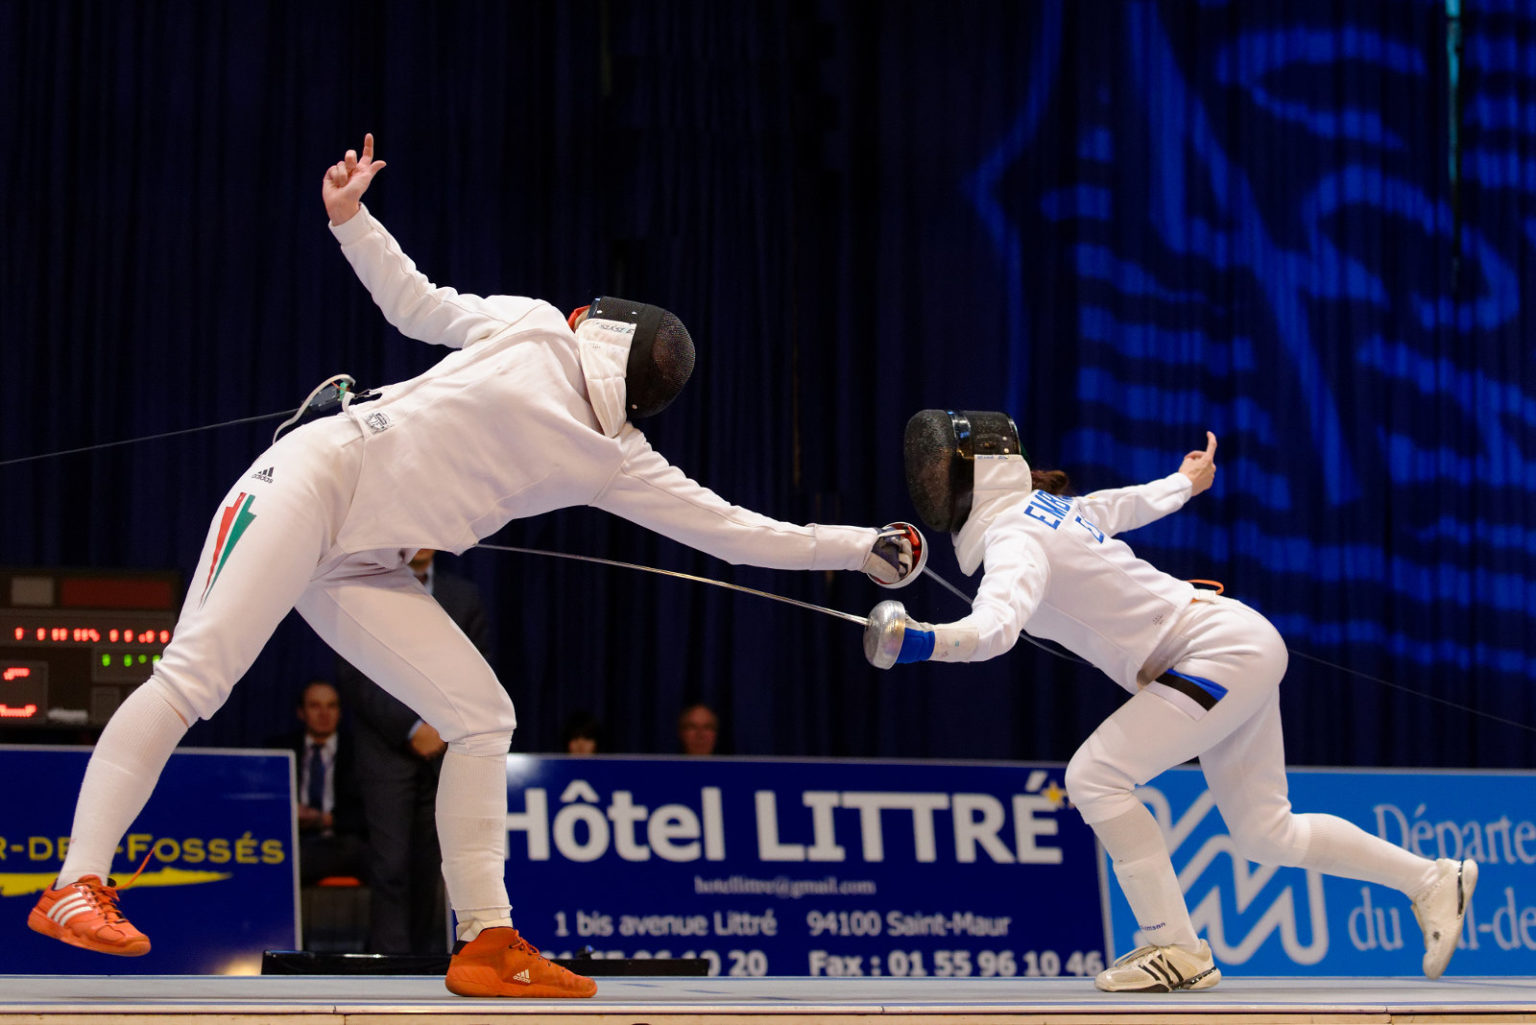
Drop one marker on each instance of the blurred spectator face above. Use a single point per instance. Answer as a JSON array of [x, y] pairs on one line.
[[320, 711], [697, 730], [582, 735]]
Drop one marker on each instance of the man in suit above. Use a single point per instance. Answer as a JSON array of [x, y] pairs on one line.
[[398, 757], [330, 804]]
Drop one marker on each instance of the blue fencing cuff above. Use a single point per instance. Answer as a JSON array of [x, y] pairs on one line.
[[916, 645]]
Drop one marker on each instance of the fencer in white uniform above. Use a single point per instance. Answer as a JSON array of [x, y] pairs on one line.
[[525, 415], [1203, 672]]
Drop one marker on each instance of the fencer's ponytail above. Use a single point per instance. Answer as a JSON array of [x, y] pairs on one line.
[[1054, 482]]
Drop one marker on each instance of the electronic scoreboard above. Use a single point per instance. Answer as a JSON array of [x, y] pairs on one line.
[[74, 642]]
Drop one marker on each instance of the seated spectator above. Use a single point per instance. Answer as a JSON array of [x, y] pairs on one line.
[[583, 735], [330, 807], [698, 729]]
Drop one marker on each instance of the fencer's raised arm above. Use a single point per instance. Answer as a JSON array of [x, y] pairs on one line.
[[1117, 510], [413, 304], [408, 299]]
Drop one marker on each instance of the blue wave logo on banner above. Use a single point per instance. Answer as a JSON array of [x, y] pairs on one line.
[[1237, 905], [1287, 921], [1305, 229]]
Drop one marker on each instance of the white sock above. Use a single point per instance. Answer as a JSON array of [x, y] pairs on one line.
[[122, 773], [1140, 858], [1341, 848], [472, 831]]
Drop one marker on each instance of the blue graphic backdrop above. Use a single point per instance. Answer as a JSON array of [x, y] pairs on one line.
[[1265, 229]]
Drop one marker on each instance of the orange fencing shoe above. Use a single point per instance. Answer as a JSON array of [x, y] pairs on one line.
[[500, 963], [85, 914]]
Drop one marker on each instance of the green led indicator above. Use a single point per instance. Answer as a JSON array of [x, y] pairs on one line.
[[106, 661], [143, 659], [127, 660]]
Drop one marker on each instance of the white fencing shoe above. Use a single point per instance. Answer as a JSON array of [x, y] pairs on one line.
[[1440, 910], [1160, 970]]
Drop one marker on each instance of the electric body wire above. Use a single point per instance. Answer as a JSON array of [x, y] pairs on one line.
[[148, 437]]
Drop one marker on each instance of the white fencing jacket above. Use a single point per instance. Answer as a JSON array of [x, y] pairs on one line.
[[503, 428], [1055, 568]]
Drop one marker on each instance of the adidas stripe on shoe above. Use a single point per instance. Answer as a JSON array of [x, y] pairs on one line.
[[85, 914], [1160, 970], [500, 963]]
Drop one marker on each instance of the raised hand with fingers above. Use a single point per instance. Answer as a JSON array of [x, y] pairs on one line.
[[346, 180], [1200, 467]]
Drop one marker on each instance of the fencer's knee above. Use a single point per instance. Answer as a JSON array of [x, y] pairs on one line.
[[1269, 840], [482, 745], [485, 726], [159, 687], [1097, 790]]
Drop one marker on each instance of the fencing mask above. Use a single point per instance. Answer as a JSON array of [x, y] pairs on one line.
[[656, 350], [940, 448]]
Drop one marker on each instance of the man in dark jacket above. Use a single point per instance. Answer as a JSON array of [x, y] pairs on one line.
[[329, 801]]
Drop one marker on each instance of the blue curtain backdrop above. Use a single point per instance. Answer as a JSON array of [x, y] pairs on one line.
[[1306, 226]]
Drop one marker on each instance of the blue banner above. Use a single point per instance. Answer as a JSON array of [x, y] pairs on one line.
[[817, 868], [221, 881], [1291, 922]]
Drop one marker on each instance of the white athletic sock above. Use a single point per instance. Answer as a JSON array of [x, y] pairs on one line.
[[1341, 848], [472, 830], [122, 773], [1140, 858]]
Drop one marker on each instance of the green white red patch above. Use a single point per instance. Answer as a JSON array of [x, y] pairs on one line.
[[232, 524]]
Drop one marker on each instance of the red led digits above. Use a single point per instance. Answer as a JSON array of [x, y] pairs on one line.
[[92, 635], [73, 643]]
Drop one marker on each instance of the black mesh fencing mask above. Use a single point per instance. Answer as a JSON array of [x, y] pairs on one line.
[[940, 447], [660, 355]]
